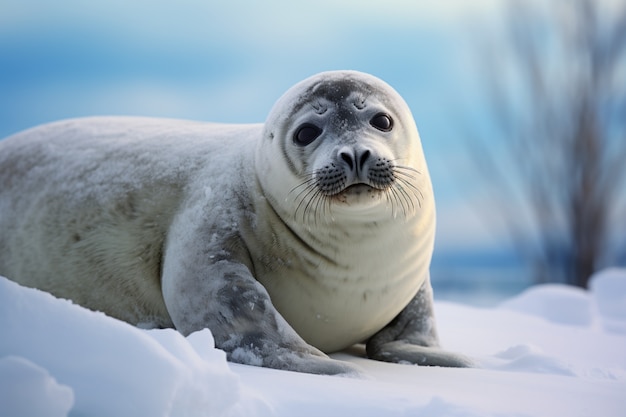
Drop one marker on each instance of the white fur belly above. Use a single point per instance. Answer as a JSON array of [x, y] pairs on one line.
[[333, 306], [334, 317]]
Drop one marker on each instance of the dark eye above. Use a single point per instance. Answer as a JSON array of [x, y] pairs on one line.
[[306, 134], [382, 122]]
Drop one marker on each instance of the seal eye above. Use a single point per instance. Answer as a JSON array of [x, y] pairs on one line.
[[306, 134], [382, 122]]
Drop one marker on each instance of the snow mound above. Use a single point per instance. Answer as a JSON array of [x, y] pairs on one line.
[[558, 303], [113, 368], [605, 302], [609, 291], [529, 358], [28, 390]]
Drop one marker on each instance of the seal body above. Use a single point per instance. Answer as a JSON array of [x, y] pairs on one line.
[[308, 233]]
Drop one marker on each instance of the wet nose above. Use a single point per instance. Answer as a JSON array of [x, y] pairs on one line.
[[355, 159]]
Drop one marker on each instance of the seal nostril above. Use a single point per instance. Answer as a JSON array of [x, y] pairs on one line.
[[348, 159], [364, 157], [355, 160]]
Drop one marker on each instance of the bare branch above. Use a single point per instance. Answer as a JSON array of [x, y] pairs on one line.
[[564, 123]]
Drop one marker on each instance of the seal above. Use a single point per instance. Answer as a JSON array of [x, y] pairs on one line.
[[288, 240]]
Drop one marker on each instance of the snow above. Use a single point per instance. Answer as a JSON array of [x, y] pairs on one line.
[[555, 302], [552, 350], [609, 288], [22, 381]]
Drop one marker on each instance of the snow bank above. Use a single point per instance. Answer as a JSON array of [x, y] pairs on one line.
[[555, 302], [113, 369], [29, 390], [552, 350], [604, 304]]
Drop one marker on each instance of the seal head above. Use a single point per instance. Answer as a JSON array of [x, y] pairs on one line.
[[348, 144]]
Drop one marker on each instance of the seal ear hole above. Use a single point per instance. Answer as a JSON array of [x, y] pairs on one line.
[[382, 122], [306, 134]]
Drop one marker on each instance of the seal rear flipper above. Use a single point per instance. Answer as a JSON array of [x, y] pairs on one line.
[[412, 337], [400, 351]]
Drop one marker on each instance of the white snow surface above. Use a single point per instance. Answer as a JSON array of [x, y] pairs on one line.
[[551, 351]]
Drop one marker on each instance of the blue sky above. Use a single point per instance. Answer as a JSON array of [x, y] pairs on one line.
[[229, 62]]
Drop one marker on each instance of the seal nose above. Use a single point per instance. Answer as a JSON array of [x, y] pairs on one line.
[[355, 158]]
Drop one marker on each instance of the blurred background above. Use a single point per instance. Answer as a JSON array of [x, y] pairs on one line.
[[521, 105]]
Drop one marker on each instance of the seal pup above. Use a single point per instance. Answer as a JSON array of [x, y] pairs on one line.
[[306, 234]]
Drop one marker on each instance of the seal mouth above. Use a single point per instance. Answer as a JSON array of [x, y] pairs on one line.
[[357, 189], [358, 194]]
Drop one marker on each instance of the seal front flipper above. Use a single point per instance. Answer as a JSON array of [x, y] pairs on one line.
[[223, 296], [412, 337]]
